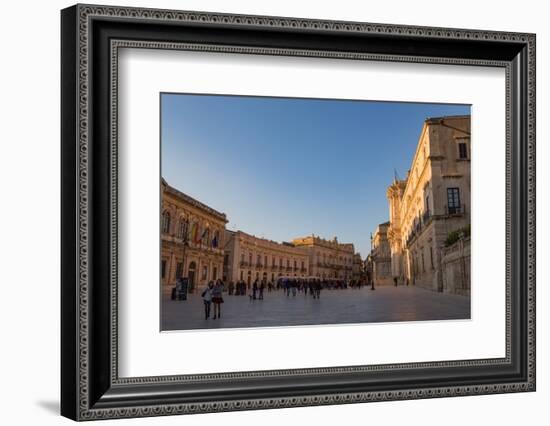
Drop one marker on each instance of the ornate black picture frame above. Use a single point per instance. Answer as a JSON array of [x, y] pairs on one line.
[[91, 37]]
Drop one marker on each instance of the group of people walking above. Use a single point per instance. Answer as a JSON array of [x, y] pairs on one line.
[[258, 287], [238, 289], [314, 285], [213, 294]]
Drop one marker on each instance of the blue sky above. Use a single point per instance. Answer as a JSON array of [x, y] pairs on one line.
[[281, 168]]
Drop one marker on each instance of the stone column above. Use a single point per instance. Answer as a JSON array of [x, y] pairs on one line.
[[172, 269]]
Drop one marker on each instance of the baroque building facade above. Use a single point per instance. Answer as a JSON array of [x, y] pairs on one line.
[[431, 202], [192, 239], [381, 255], [251, 258], [328, 259], [357, 272]]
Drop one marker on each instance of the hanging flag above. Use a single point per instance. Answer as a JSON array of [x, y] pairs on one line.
[[204, 236]]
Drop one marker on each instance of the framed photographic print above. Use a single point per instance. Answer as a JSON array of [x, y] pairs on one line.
[[264, 212]]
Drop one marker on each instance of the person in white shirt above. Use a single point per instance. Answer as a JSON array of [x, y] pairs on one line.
[[207, 299]]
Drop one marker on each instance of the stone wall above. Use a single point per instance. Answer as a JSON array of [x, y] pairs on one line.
[[456, 268]]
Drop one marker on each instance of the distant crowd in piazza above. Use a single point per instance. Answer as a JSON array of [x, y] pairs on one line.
[[425, 243]]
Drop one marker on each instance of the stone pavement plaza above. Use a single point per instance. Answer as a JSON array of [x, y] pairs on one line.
[[346, 306]]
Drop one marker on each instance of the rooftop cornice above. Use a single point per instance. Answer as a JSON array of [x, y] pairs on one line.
[[193, 202]]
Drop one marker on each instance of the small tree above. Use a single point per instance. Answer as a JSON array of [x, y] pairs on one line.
[[454, 236]]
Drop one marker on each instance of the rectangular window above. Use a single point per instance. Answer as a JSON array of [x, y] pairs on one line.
[[453, 200], [432, 257], [215, 273], [166, 222], [163, 268], [205, 272], [462, 151]]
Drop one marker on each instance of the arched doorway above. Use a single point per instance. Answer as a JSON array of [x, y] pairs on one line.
[[191, 274]]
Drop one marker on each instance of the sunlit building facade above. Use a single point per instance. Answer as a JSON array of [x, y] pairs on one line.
[[357, 271], [328, 259], [431, 202], [192, 239], [250, 258], [381, 255]]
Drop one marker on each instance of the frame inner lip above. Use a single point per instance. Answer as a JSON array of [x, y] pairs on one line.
[[117, 43]]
